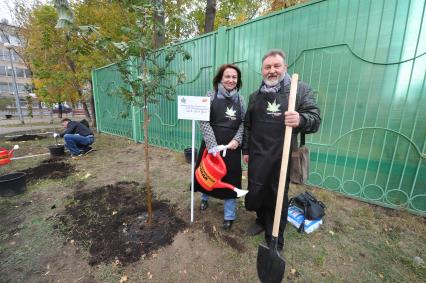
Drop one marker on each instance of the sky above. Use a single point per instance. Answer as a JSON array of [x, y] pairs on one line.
[[4, 10]]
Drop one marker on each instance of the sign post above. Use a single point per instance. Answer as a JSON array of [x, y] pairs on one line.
[[195, 108]]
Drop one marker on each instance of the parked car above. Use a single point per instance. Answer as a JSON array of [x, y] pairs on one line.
[[65, 108]]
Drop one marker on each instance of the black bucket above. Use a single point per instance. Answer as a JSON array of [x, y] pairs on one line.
[[188, 153], [13, 184], [57, 150]]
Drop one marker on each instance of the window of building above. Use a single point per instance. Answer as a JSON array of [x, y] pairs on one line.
[[20, 73], [4, 87], [16, 57], [4, 55], [3, 38], [3, 71], [28, 73], [21, 88]]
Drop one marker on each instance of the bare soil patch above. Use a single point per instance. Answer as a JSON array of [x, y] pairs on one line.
[[111, 222], [49, 169], [26, 137]]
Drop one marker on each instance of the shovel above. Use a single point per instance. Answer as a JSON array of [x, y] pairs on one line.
[[270, 263]]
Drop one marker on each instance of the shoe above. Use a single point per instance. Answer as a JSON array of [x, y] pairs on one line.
[[227, 224], [76, 156], [255, 229], [204, 205]]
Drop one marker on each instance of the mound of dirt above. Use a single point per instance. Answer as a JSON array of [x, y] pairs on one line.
[[27, 138], [111, 222], [231, 241], [49, 169]]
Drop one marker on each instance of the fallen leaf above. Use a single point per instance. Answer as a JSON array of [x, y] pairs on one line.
[[114, 212], [154, 255], [293, 271], [72, 242], [331, 233], [87, 176], [381, 275], [149, 275], [123, 279]]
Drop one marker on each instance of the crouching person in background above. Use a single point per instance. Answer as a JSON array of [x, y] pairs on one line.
[[77, 137]]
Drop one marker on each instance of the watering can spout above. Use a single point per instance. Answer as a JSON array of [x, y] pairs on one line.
[[240, 193]]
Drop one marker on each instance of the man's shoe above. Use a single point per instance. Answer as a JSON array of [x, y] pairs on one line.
[[76, 156], [204, 205], [227, 224], [255, 229]]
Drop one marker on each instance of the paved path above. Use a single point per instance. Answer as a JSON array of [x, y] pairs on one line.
[[8, 126]]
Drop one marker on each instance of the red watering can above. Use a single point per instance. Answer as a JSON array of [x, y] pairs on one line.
[[210, 173], [6, 155]]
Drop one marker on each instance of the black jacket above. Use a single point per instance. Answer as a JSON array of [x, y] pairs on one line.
[[75, 127], [305, 104]]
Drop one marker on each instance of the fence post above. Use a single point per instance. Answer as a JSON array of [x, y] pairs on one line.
[[136, 123], [221, 48], [96, 93]]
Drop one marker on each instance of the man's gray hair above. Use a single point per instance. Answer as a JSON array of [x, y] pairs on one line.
[[275, 52]]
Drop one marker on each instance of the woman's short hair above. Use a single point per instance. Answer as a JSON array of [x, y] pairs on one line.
[[219, 74]]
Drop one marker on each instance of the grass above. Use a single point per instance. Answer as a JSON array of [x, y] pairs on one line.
[[358, 242]]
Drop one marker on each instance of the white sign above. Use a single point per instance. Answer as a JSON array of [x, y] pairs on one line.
[[194, 108]]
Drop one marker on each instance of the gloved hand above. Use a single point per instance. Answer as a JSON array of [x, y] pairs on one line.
[[216, 149], [55, 135]]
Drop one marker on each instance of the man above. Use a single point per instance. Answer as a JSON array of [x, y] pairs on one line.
[[264, 128], [77, 136]]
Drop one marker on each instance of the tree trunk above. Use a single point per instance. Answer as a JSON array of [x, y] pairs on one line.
[[147, 175], [92, 105], [159, 20], [210, 16], [86, 109]]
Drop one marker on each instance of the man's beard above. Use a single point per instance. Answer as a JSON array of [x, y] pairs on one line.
[[271, 83]]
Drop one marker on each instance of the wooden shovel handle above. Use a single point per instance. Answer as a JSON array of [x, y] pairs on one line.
[[285, 157]]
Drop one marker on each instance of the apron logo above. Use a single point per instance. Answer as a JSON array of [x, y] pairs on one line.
[[273, 108], [230, 113]]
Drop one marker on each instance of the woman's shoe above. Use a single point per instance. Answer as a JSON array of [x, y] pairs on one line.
[[227, 224], [204, 205]]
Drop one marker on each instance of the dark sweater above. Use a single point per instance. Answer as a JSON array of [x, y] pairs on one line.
[[75, 127]]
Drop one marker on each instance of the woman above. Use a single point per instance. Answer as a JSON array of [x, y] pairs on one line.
[[225, 128]]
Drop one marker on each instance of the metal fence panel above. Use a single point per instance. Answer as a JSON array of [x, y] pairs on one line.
[[366, 63]]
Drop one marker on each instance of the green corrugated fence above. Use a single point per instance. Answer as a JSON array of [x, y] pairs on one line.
[[365, 60]]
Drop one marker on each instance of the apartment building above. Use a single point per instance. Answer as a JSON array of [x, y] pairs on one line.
[[8, 34]]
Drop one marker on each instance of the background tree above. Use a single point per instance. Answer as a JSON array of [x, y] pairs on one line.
[[210, 16]]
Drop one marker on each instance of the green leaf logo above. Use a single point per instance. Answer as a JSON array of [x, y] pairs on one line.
[[273, 107], [230, 112]]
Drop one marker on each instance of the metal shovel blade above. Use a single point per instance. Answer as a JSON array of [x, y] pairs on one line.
[[270, 263]]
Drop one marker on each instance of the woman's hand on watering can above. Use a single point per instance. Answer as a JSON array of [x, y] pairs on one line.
[[233, 144], [216, 149]]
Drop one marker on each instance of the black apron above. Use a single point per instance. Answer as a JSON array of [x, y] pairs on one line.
[[225, 119], [266, 147]]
